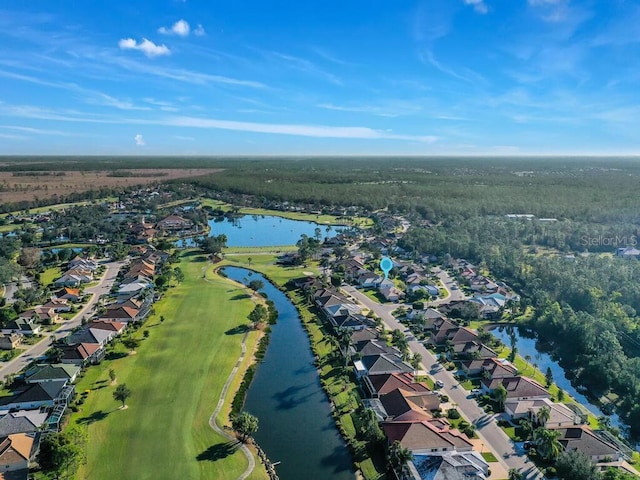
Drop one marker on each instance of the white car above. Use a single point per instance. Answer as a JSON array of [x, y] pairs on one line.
[[439, 383]]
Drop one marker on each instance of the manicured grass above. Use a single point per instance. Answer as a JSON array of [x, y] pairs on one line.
[[176, 377], [489, 457], [50, 275], [266, 264], [261, 250]]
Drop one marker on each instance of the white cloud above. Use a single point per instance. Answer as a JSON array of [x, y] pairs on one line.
[[318, 131], [139, 140], [147, 47], [180, 28], [199, 31], [478, 5]]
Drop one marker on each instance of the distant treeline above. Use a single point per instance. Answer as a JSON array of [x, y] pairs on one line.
[[39, 174]]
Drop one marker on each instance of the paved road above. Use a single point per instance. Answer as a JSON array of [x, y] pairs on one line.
[[102, 288], [11, 288], [453, 295], [488, 431]]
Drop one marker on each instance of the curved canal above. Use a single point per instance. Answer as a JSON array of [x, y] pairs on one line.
[[296, 426]]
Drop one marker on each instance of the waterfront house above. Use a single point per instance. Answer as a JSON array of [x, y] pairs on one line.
[[593, 444], [518, 388], [426, 437], [448, 466]]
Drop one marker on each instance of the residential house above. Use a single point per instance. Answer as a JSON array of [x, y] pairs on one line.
[[74, 277], [381, 363], [121, 314], [489, 305], [405, 405], [368, 279], [593, 444], [391, 294], [82, 354], [173, 223], [22, 421], [25, 326], [374, 347], [16, 453], [363, 335], [70, 294], [91, 335], [560, 415], [449, 466], [10, 341], [473, 350], [57, 372], [426, 437], [83, 263], [115, 327], [518, 388], [381, 384], [39, 395], [58, 305], [44, 315]]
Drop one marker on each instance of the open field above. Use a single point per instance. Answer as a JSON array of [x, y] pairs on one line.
[[175, 377], [26, 186]]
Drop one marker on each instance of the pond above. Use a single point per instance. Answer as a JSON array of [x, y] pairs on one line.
[[527, 346], [262, 231], [296, 426]]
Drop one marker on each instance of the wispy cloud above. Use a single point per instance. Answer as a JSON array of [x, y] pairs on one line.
[[99, 98], [392, 109], [147, 47], [318, 131], [36, 131], [180, 28], [302, 65], [199, 31], [466, 75], [139, 139], [478, 5]]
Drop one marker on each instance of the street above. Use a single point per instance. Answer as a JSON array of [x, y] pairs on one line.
[[453, 294], [104, 285], [487, 429]]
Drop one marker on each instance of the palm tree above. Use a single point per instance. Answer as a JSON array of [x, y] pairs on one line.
[[343, 336], [526, 428], [369, 425], [543, 415], [527, 358], [515, 474], [500, 396], [547, 444], [398, 457]]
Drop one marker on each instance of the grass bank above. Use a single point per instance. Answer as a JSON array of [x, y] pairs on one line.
[[176, 377]]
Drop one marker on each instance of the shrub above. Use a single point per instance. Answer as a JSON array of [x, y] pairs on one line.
[[453, 414]]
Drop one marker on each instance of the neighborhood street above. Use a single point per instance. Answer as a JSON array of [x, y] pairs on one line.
[[11, 288], [488, 431], [37, 350], [454, 293]]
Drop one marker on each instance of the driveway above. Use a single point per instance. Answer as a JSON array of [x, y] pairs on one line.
[[104, 285], [492, 436], [11, 288], [454, 293]]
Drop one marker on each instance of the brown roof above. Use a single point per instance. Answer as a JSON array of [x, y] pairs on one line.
[[15, 449], [424, 435], [387, 382], [121, 312], [586, 440], [104, 325], [399, 407], [518, 387]]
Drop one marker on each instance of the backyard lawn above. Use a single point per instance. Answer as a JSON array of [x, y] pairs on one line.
[[175, 376]]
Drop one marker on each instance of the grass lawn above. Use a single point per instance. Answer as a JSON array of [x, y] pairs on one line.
[[175, 377], [50, 275], [265, 263], [489, 457]]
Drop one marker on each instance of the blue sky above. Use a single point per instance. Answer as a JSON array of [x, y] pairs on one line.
[[307, 77]]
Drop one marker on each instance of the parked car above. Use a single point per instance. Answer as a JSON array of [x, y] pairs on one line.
[[475, 391], [439, 383]]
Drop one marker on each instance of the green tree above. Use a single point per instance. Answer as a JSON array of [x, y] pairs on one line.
[[256, 285], [214, 245], [178, 274], [548, 376], [398, 457], [121, 393], [547, 443], [543, 415], [575, 465], [500, 396], [130, 343], [369, 425], [258, 315], [112, 375], [246, 425], [62, 453], [515, 474]]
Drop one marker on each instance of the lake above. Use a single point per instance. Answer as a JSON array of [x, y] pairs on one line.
[[296, 425], [262, 231], [527, 346]]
